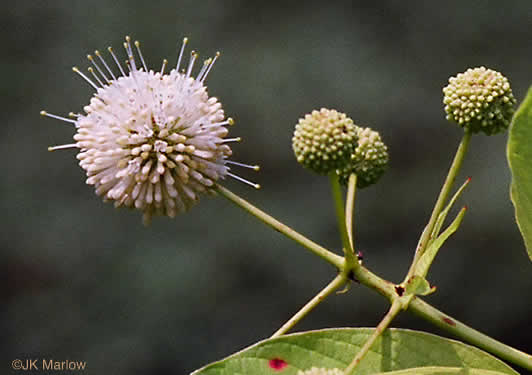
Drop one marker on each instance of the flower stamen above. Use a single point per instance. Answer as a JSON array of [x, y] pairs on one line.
[[110, 49], [129, 52], [256, 168], [91, 71], [185, 41], [210, 67], [228, 140], [44, 113], [91, 59], [76, 70], [229, 122], [137, 44], [193, 56], [62, 147], [165, 62], [97, 53], [241, 179], [206, 64]]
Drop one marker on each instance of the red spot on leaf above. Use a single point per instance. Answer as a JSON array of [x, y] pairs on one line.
[[448, 321], [277, 364]]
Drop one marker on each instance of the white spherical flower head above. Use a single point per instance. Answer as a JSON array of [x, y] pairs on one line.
[[150, 140]]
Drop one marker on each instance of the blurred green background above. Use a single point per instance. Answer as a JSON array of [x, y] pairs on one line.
[[83, 281]]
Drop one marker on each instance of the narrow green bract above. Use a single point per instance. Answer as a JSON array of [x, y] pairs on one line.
[[519, 153]]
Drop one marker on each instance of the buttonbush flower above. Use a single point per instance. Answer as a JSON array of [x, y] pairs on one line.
[[153, 141], [479, 99], [324, 140], [369, 160]]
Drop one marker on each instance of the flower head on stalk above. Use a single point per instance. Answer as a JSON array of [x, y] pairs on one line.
[[480, 100], [369, 160], [153, 141], [324, 140], [328, 141]]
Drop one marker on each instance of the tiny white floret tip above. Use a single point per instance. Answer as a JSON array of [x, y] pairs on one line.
[[152, 141], [321, 371]]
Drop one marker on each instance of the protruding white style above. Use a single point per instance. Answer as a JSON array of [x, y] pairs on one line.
[[150, 140]]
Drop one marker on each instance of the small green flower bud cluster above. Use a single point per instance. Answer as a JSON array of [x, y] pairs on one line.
[[324, 140], [369, 160], [328, 141], [479, 99], [321, 371]]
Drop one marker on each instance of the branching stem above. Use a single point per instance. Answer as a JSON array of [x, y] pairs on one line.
[[466, 333], [335, 284], [350, 207], [340, 216], [384, 287], [379, 330]]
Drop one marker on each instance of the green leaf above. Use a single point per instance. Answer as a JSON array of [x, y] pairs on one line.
[[443, 214], [519, 153], [441, 371], [424, 262], [396, 349], [419, 286]]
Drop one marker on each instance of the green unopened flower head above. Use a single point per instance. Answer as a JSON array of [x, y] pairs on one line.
[[321, 371], [479, 99], [324, 140], [369, 160]]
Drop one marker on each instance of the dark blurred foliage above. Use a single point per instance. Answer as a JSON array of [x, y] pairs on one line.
[[85, 281]]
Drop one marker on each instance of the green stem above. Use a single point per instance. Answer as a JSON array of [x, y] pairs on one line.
[[453, 326], [336, 283], [387, 289], [350, 207], [340, 216], [444, 321], [379, 330], [320, 251], [442, 198]]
